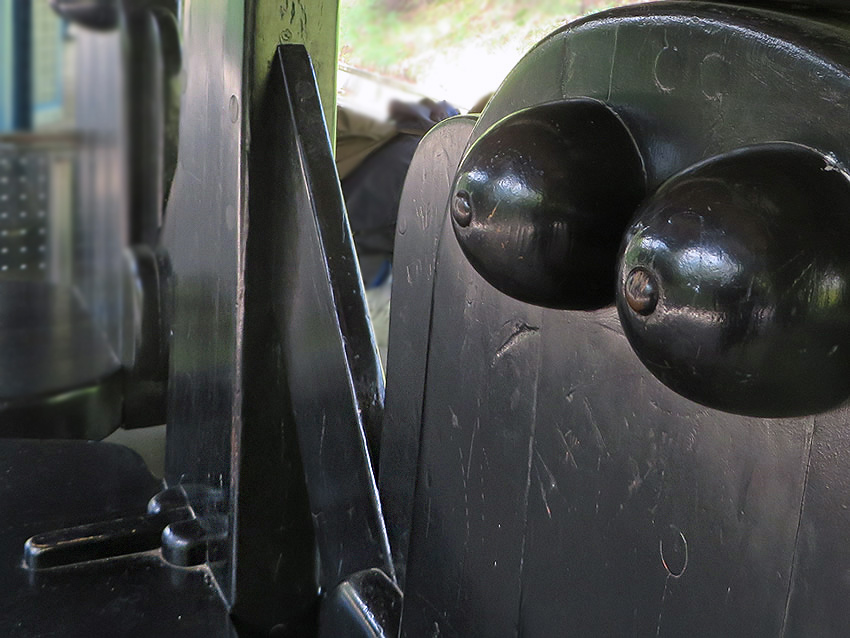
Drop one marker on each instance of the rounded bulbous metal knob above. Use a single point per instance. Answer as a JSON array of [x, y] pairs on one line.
[[734, 282], [542, 199]]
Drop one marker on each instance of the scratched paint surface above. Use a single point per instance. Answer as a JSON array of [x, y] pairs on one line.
[[650, 513], [561, 488], [312, 23], [421, 218], [472, 488]]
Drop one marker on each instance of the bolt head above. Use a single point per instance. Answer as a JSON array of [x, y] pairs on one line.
[[462, 209], [641, 290]]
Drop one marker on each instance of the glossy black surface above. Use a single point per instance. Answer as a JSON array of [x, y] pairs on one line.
[[270, 348], [194, 541], [231, 432], [203, 236], [96, 541], [542, 199], [48, 485], [146, 381], [58, 375], [561, 488], [422, 213], [186, 536], [333, 379], [365, 605], [748, 252], [800, 5], [151, 36]]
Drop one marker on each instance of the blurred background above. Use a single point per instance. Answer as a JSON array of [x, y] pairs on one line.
[[33, 56], [453, 50]]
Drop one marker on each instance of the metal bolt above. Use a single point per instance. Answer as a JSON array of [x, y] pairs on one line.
[[641, 290], [462, 209]]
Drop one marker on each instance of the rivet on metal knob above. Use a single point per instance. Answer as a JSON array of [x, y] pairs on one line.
[[641, 291], [461, 209]]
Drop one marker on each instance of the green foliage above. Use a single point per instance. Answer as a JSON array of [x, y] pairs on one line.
[[370, 35]]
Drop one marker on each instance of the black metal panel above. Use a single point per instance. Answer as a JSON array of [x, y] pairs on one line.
[[466, 549], [817, 599], [230, 431], [552, 477], [317, 304], [693, 80], [204, 238], [138, 596], [649, 514], [51, 484], [270, 339], [30, 499], [614, 505], [147, 113], [58, 376], [422, 212]]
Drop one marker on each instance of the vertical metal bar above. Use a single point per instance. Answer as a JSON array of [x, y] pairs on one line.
[[334, 378], [6, 65], [22, 68]]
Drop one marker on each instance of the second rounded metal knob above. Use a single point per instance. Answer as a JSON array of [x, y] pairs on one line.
[[734, 284]]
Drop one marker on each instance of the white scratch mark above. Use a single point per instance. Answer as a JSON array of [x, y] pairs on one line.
[[428, 518], [521, 332], [471, 445], [597, 433], [661, 608], [570, 442], [613, 59]]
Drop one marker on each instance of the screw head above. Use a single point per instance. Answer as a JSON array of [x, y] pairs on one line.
[[641, 290], [462, 209]]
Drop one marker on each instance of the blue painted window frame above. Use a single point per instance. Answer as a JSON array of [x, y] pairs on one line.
[[6, 65]]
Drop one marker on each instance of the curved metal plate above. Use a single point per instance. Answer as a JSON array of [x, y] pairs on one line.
[[693, 80], [421, 216]]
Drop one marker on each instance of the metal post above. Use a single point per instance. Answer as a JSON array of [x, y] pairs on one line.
[[22, 67]]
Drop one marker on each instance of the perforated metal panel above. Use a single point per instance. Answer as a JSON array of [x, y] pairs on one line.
[[24, 220]]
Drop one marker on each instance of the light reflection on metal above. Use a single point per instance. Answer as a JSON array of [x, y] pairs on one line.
[[751, 309]]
